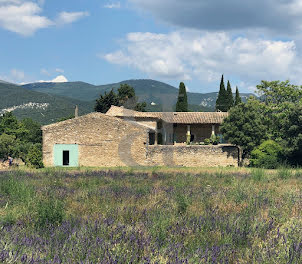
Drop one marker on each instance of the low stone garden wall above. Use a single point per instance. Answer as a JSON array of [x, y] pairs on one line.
[[193, 156]]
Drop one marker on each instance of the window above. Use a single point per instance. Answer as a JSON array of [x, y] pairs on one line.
[[65, 158]]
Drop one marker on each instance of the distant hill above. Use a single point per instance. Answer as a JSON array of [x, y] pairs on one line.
[[162, 94], [44, 108]]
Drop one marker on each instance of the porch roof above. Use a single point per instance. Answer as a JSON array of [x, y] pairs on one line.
[[171, 117]]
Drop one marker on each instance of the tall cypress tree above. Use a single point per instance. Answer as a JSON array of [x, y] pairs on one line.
[[229, 97], [237, 97], [182, 101], [221, 99]]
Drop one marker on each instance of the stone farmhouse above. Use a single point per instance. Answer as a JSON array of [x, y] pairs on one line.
[[124, 137]]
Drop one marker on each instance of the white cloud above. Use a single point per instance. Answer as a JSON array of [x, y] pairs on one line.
[[116, 5], [10, 2], [22, 17], [273, 15], [70, 17], [183, 55]]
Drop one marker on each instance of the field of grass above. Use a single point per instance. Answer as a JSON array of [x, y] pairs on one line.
[[151, 216]]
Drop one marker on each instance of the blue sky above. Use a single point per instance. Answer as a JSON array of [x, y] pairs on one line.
[[193, 41]]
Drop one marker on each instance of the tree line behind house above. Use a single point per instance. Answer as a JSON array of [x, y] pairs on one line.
[[269, 129], [21, 139]]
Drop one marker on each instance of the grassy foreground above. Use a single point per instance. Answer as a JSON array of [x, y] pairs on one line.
[[144, 216]]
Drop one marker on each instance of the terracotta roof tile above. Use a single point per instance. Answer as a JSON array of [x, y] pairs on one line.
[[171, 117]]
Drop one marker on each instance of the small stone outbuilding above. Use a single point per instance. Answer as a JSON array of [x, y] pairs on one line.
[[129, 138]]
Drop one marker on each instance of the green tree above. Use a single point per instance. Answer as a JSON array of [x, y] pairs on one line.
[[125, 97], [182, 101], [237, 97], [268, 155], [221, 104], [229, 97], [8, 146], [125, 94], [276, 116], [34, 134], [245, 126], [141, 107], [278, 98], [9, 125], [16, 138], [106, 101], [34, 157], [292, 135]]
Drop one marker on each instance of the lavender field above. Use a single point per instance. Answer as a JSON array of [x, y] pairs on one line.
[[132, 216]]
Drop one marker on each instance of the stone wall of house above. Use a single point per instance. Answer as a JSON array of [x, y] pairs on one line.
[[148, 123], [102, 140], [193, 156], [106, 141]]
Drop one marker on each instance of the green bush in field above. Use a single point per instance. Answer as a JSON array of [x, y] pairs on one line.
[[267, 155], [34, 156]]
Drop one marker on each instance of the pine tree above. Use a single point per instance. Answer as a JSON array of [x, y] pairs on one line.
[[125, 97], [106, 101], [237, 98], [182, 101], [221, 99], [229, 97]]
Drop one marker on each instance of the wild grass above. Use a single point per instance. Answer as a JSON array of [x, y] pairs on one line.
[[154, 215]]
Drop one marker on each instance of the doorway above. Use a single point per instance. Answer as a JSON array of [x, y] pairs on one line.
[[65, 157]]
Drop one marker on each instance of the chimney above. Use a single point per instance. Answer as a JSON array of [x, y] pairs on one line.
[[76, 112]]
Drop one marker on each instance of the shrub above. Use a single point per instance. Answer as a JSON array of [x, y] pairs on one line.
[[284, 173], [207, 141], [258, 174], [267, 155], [214, 140], [34, 156]]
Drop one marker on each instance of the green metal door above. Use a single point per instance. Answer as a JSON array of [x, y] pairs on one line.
[[66, 155]]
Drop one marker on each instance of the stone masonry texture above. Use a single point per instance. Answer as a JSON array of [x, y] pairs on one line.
[[106, 141]]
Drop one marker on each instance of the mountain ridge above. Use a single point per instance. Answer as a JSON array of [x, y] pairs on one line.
[[47, 102], [41, 107], [146, 90]]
